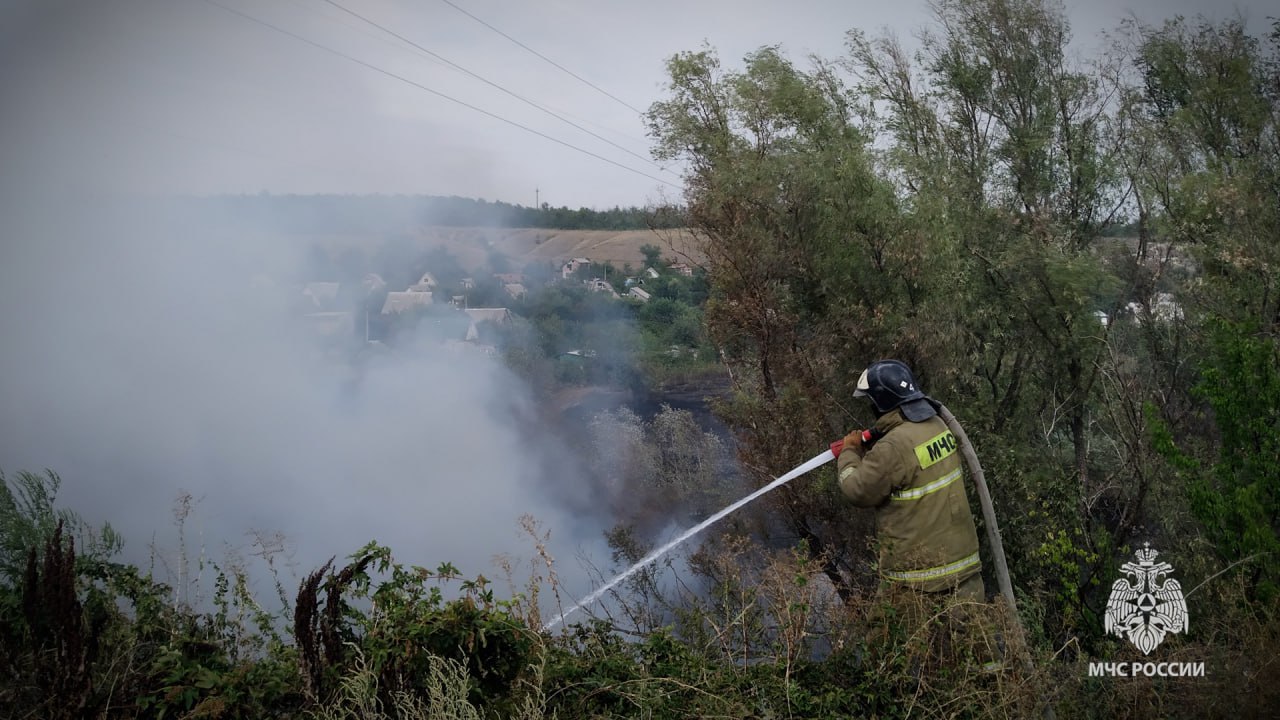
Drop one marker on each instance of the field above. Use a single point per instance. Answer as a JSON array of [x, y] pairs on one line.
[[472, 246]]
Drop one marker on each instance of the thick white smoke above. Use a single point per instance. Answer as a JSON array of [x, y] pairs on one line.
[[141, 361], [142, 355]]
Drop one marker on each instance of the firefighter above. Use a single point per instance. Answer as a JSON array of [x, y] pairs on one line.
[[908, 469]]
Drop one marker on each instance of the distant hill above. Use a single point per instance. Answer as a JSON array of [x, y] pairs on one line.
[[472, 246], [391, 213], [523, 245]]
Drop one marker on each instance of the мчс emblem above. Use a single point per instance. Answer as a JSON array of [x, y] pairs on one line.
[[1146, 609]]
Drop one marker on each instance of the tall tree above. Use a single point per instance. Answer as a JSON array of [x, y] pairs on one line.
[[812, 269], [1206, 99]]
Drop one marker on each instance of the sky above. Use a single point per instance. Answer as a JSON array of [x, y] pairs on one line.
[[185, 96]]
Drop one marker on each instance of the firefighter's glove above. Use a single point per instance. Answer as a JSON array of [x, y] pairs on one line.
[[853, 441]]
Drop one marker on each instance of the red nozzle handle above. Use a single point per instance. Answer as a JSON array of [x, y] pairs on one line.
[[838, 446]]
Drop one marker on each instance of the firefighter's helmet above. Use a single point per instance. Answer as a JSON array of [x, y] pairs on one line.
[[890, 384]]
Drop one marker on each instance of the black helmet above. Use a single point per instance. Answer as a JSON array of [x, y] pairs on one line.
[[890, 384]]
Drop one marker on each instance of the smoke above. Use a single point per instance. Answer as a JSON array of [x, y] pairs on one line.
[[141, 361], [147, 351]]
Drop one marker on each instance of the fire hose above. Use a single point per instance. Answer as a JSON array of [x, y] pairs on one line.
[[993, 537], [1003, 580], [868, 436]]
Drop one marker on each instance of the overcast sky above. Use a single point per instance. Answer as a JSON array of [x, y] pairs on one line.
[[181, 95]]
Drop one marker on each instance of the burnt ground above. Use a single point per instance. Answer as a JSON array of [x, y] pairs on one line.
[[578, 405]]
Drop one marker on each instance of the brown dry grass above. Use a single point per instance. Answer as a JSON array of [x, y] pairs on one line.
[[524, 245], [473, 245]]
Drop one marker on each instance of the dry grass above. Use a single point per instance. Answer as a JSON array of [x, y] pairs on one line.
[[471, 246], [357, 698]]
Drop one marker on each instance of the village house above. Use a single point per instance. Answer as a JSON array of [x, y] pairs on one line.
[[1163, 308], [322, 295], [683, 269], [567, 271], [330, 324], [598, 285], [499, 316], [400, 301], [465, 347], [639, 294], [426, 284], [372, 283]]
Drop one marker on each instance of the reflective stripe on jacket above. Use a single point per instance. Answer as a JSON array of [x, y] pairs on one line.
[[912, 477]]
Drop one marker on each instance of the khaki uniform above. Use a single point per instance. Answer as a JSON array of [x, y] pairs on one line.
[[912, 477]]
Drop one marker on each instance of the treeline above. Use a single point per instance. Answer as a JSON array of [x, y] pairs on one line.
[[339, 214]]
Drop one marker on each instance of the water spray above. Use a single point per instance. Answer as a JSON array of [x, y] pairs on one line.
[[817, 461], [970, 457], [984, 500]]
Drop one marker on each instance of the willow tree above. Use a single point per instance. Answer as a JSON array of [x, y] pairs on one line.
[[1206, 99], [1002, 144], [945, 211], [814, 271]]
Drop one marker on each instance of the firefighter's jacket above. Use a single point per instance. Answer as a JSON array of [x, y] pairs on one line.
[[912, 477]]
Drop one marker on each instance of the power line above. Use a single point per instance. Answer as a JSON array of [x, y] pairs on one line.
[[630, 138], [597, 88], [486, 81], [437, 93], [311, 8]]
